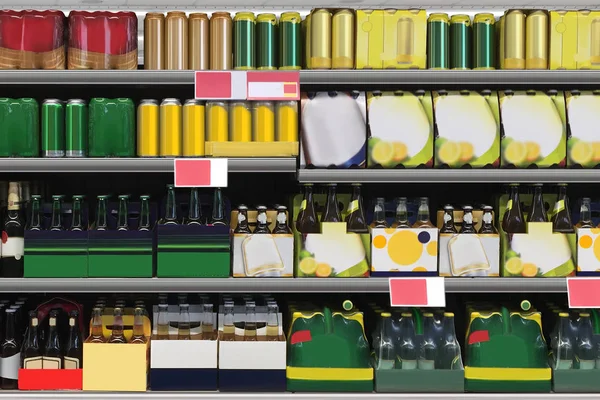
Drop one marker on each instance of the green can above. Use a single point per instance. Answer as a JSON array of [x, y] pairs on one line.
[[19, 127], [111, 128], [53, 128], [461, 42], [76, 134], [244, 25], [290, 41], [438, 41], [266, 41], [484, 41]]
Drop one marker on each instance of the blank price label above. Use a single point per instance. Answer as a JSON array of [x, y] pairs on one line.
[[220, 85], [265, 85], [417, 292], [192, 172], [583, 292]]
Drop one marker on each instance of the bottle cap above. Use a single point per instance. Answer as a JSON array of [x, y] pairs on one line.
[[347, 305]]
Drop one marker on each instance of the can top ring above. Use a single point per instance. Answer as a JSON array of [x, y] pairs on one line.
[[290, 16], [175, 14], [440, 17], [220, 14], [267, 17], [244, 16], [461, 18], [486, 18], [76, 101], [52, 101], [198, 16], [155, 15]]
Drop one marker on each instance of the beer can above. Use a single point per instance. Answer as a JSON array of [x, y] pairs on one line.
[[320, 39], [306, 28], [266, 41], [176, 41], [263, 121], [198, 40], [53, 128], [405, 46], [438, 46], [514, 40], [170, 128], [500, 39], [148, 142], [290, 35], [287, 121], [536, 40], [193, 128], [484, 41], [76, 129], [217, 121], [460, 42], [154, 41], [595, 41], [240, 121], [220, 41], [342, 40], [244, 26]]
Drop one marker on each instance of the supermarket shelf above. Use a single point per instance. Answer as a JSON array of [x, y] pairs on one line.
[[449, 175], [135, 165], [267, 285]]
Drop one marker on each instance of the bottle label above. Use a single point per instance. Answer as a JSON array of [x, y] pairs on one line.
[[447, 218], [386, 364], [426, 364], [468, 218], [559, 206], [281, 218], [509, 205], [12, 246], [261, 218], [408, 364], [10, 366], [353, 206], [71, 363], [587, 364], [52, 363], [241, 218], [33, 363], [487, 218], [13, 202], [303, 205]]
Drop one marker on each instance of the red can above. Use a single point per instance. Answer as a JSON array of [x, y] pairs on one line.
[[102, 40], [32, 39]]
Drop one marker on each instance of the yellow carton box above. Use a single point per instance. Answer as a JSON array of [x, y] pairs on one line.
[[575, 39]]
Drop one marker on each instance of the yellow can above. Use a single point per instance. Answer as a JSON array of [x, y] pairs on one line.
[[217, 121], [240, 121], [263, 121], [536, 40], [320, 39], [287, 121], [170, 128], [514, 40], [193, 128], [342, 40], [147, 128]]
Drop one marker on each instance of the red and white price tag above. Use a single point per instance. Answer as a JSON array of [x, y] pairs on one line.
[[247, 85], [194, 172], [583, 292], [220, 85], [417, 292], [264, 85]]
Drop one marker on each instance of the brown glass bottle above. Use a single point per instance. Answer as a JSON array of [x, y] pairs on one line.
[[242, 220], [561, 217], [487, 221], [537, 213], [97, 333], [262, 224], [10, 349], [117, 335], [281, 226], [585, 214], [467, 223], [31, 356], [513, 221], [307, 221], [53, 355], [74, 347], [355, 220], [332, 212], [423, 216], [401, 221], [379, 214], [448, 226]]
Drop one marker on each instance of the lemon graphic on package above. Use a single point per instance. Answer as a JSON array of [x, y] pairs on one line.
[[582, 153], [308, 266], [533, 151], [529, 270], [515, 153], [467, 151], [400, 151], [324, 270], [449, 153], [514, 266], [382, 153]]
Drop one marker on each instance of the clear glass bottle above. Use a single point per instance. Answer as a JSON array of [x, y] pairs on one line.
[[272, 322], [429, 344], [450, 349], [565, 351], [585, 214], [586, 350], [138, 335], [228, 321], [117, 335], [407, 349], [195, 211], [250, 322], [162, 326], [401, 221], [207, 322], [386, 349], [423, 216], [97, 332], [379, 214], [183, 324]]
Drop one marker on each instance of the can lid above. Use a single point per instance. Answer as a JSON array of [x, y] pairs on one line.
[[386, 315], [76, 101], [291, 16], [175, 14], [155, 15], [52, 101], [461, 19], [244, 16], [267, 17], [220, 14], [198, 16], [171, 100], [439, 17], [149, 101], [484, 18]]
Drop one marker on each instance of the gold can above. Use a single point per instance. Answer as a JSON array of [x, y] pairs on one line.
[[514, 40], [287, 121], [320, 39], [217, 121], [536, 40], [198, 40], [595, 41], [500, 41], [263, 121], [154, 41], [170, 128], [193, 128], [240, 122], [220, 41], [342, 40], [307, 41], [176, 41], [147, 128]]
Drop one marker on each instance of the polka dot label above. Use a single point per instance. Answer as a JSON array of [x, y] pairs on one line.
[[404, 250]]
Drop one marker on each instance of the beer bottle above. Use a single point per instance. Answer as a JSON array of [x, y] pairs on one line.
[[407, 342], [97, 332], [228, 322], [102, 214], [171, 210], [379, 214], [561, 217], [242, 220], [74, 348], [355, 220], [250, 322], [13, 245], [262, 225], [401, 221], [467, 224], [513, 221], [77, 217], [586, 350], [53, 356], [332, 212], [281, 227], [123, 216], [487, 225], [272, 322], [218, 209], [565, 353], [24, 194], [195, 211], [207, 322], [162, 326], [183, 325], [450, 349], [448, 226], [117, 335], [138, 335], [423, 215], [537, 212], [144, 224], [307, 221], [56, 221], [386, 354], [31, 356], [428, 347], [35, 217], [585, 214], [10, 349]]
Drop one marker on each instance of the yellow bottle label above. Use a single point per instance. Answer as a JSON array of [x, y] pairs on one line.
[[303, 205], [509, 205], [352, 206], [559, 206]]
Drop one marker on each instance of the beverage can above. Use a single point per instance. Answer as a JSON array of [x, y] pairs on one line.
[[176, 41], [171, 128], [342, 40], [193, 128], [53, 128], [514, 40], [148, 128], [217, 121], [154, 41], [536, 40], [461, 37], [244, 27], [76, 130], [220, 41], [240, 121], [263, 121], [290, 41], [198, 41], [287, 121], [320, 39], [484, 41], [438, 41]]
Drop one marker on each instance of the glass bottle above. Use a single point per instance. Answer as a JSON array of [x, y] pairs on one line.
[[242, 220], [138, 334], [218, 209], [355, 220], [448, 226], [10, 347], [487, 224], [332, 212], [228, 322], [31, 355], [428, 348], [97, 333], [379, 214], [171, 208], [250, 322], [262, 224], [586, 351], [74, 347], [208, 330], [102, 214], [195, 211], [450, 349], [401, 221], [423, 217], [307, 221], [407, 349], [281, 227], [183, 325], [117, 335], [144, 224], [77, 215], [561, 217], [13, 247], [513, 220], [56, 221], [35, 217], [467, 224], [386, 350], [123, 216], [272, 322], [565, 351], [53, 356], [162, 326], [537, 212], [585, 214]]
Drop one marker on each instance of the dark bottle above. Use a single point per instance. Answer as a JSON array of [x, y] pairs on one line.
[[332, 212], [123, 215], [144, 213], [11, 349], [487, 224], [448, 226], [450, 349], [281, 226], [102, 214], [561, 217], [467, 224], [218, 209], [171, 210], [242, 220], [97, 333], [117, 335], [355, 220], [35, 217], [307, 221], [12, 238], [195, 211], [585, 214], [379, 214], [53, 356], [56, 223], [74, 347], [77, 220], [401, 221], [537, 212], [513, 221], [31, 355], [262, 224]]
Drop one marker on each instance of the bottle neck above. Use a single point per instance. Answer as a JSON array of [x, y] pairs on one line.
[[218, 213], [402, 213], [76, 222], [145, 214], [379, 212], [138, 325], [423, 213], [36, 218], [97, 325], [122, 222], [449, 332], [281, 220], [73, 329], [117, 329], [171, 212], [56, 223], [585, 212], [101, 218], [194, 212]]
